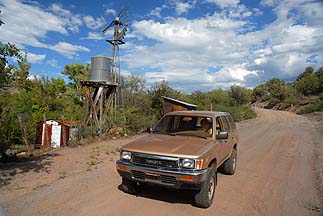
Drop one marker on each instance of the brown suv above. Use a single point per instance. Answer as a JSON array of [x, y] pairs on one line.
[[185, 150]]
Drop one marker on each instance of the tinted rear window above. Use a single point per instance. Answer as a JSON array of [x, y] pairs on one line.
[[225, 123], [233, 125]]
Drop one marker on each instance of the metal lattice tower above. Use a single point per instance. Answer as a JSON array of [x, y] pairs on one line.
[[120, 25]]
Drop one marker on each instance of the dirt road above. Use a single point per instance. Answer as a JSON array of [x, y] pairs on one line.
[[274, 177]]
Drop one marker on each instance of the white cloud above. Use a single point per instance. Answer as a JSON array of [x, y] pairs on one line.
[[93, 23], [183, 50], [58, 9], [26, 24], [189, 33], [72, 21], [35, 58], [222, 47], [312, 13], [29, 24], [224, 3], [111, 11], [156, 12], [183, 7], [53, 63], [95, 36], [68, 50]]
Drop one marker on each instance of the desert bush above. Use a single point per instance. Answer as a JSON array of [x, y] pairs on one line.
[[238, 113], [240, 95], [308, 85], [276, 89], [260, 92], [311, 107], [292, 97]]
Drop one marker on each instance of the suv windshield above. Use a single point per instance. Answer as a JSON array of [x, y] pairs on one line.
[[199, 126]]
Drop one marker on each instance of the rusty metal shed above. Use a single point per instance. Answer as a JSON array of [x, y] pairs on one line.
[[171, 104], [52, 133]]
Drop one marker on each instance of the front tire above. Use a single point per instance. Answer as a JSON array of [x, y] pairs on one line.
[[131, 187], [229, 167], [204, 197]]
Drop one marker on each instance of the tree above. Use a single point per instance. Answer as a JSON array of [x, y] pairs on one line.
[[134, 83], [161, 89], [260, 92], [308, 85], [319, 75], [77, 73], [133, 86], [12, 106], [240, 95], [6, 51], [276, 89], [201, 99], [219, 96], [20, 74], [308, 71]]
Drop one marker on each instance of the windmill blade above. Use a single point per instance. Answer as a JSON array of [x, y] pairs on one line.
[[123, 16], [108, 26], [123, 11]]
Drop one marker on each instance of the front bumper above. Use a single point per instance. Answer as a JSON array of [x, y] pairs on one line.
[[184, 179]]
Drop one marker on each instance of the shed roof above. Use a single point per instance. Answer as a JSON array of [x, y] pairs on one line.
[[179, 102]]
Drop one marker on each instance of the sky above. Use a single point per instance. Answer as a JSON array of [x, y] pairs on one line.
[[193, 45]]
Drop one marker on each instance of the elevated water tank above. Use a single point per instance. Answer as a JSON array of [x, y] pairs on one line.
[[100, 68]]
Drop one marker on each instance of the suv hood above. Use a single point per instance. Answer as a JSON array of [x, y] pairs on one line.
[[177, 146]]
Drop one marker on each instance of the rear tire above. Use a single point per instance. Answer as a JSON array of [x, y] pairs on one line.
[[229, 167], [204, 197], [131, 187]]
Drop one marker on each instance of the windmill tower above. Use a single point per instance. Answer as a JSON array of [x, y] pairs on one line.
[[120, 27], [103, 91]]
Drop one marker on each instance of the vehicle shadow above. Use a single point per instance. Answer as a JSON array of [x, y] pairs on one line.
[[37, 164], [165, 194]]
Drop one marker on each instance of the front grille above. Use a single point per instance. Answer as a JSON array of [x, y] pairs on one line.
[[138, 174], [154, 161], [168, 179], [154, 177]]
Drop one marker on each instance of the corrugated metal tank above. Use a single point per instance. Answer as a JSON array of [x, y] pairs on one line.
[[100, 68]]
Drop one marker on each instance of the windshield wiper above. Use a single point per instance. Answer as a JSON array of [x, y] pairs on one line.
[[187, 134], [193, 135], [198, 136]]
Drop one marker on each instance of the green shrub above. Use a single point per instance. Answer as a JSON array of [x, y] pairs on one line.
[[238, 113], [292, 97], [240, 95], [308, 85], [311, 107]]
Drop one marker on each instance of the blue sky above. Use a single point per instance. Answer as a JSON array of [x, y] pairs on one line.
[[194, 45]]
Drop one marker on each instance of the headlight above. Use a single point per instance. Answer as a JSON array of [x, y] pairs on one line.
[[188, 163], [192, 163], [125, 155]]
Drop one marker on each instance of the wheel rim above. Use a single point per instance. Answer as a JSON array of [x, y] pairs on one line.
[[211, 188], [234, 162]]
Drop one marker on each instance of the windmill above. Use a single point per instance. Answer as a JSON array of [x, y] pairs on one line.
[[120, 27], [103, 90]]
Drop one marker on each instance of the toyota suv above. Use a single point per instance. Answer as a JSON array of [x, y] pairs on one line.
[[185, 150]]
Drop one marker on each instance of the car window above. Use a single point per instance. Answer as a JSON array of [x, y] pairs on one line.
[[226, 126], [163, 125], [199, 126], [219, 124], [233, 125]]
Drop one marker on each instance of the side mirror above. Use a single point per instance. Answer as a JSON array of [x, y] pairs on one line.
[[149, 130], [222, 135]]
